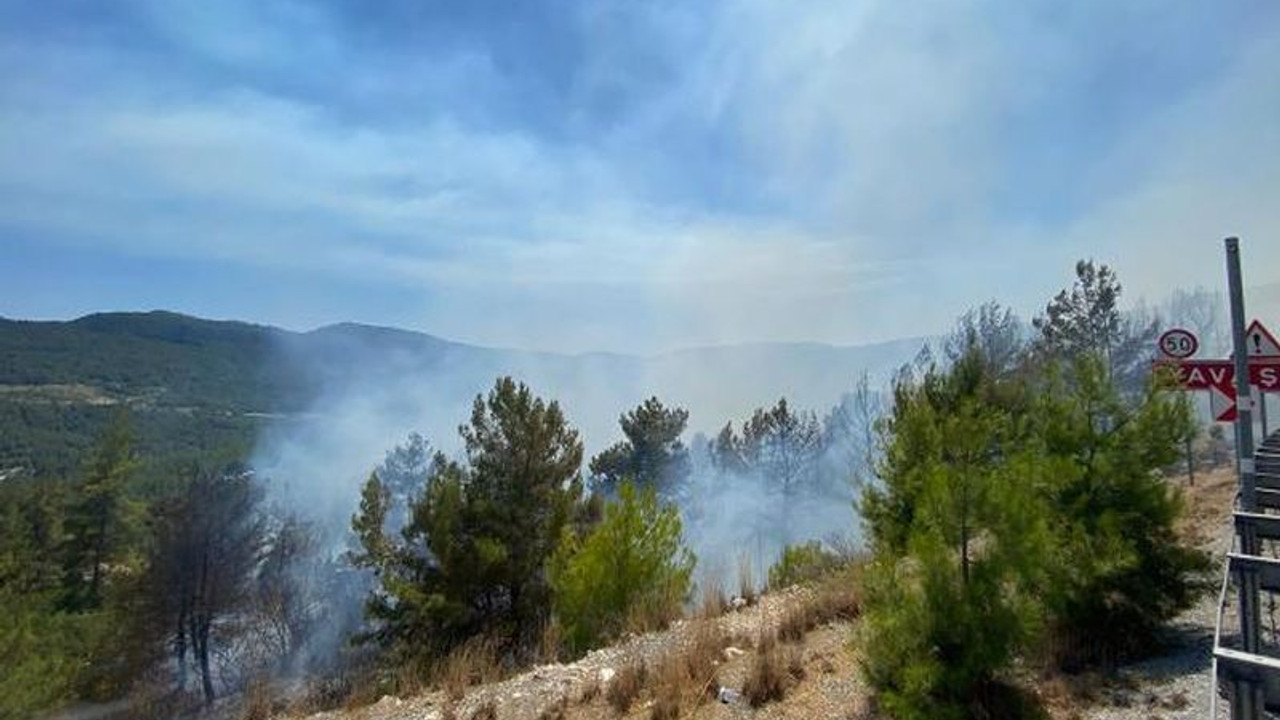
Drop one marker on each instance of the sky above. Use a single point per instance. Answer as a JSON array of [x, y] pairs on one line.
[[628, 176]]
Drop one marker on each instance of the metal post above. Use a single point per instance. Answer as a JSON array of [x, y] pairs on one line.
[[1245, 705], [1244, 411], [1246, 701], [1262, 413]]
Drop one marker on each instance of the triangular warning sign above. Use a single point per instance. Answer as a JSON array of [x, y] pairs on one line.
[[1222, 403], [1260, 342]]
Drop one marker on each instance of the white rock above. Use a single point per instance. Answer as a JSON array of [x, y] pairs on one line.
[[606, 674], [728, 695]]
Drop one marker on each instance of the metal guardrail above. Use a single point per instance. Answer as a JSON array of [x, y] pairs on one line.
[[1250, 676]]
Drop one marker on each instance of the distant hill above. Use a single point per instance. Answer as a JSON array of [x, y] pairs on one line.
[[196, 386]]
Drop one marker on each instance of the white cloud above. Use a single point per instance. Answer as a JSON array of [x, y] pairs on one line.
[[870, 153]]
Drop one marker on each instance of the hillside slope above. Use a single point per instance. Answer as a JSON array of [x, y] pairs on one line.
[[197, 385]]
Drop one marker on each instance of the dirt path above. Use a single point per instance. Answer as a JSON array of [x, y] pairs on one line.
[[542, 691]]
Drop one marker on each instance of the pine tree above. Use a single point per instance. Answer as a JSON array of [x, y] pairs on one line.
[[957, 530], [472, 558], [95, 520], [651, 455], [1121, 570], [207, 543]]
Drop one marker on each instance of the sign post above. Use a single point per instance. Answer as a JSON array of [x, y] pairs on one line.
[[1246, 698]]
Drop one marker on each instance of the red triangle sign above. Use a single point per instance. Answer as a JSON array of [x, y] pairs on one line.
[[1259, 341]]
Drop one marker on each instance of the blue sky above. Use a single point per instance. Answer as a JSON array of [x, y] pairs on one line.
[[627, 175]]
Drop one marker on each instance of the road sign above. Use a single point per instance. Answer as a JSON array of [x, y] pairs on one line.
[[1264, 373], [1178, 343], [1222, 403], [1260, 342]]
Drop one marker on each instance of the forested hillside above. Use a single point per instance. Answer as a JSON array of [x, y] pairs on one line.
[[1012, 487], [193, 385], [200, 387]]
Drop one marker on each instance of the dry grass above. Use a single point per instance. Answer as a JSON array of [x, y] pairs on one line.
[[774, 671], [324, 692], [665, 707], [684, 678], [258, 702], [473, 663], [410, 678], [551, 642], [834, 598], [656, 612], [746, 580], [152, 698], [668, 692], [626, 685], [701, 658], [713, 602], [590, 689]]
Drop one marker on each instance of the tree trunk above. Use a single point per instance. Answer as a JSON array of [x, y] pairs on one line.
[[202, 653], [99, 550], [964, 533], [180, 649], [1191, 462]]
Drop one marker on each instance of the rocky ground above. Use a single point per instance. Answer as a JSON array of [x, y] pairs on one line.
[[822, 667]]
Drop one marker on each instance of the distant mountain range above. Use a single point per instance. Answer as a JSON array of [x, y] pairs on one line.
[[196, 383]]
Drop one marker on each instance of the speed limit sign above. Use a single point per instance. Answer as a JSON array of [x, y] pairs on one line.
[[1178, 343]]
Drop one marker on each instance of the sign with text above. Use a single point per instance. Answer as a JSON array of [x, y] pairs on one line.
[[1204, 374]]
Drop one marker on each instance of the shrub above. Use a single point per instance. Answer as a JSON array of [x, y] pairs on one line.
[[1121, 570], [630, 570], [802, 564], [932, 643]]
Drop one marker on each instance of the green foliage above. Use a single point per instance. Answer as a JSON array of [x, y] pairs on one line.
[[1120, 564], [801, 564], [194, 387], [1019, 511], [1084, 319], [651, 455], [779, 444], [629, 567], [472, 558], [50, 655], [958, 533], [98, 517], [45, 653], [374, 549]]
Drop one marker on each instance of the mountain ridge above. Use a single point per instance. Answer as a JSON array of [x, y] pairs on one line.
[[193, 382]]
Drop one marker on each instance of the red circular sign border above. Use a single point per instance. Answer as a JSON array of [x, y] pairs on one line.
[[1195, 343]]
